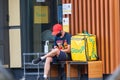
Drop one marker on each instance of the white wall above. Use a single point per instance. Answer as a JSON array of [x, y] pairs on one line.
[[15, 48], [14, 12], [14, 34]]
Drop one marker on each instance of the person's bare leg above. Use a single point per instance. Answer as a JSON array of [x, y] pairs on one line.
[[52, 53], [48, 57], [47, 66]]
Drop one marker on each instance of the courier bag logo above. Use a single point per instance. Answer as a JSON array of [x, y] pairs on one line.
[[73, 50]]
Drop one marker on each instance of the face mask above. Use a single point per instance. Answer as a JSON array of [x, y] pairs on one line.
[[59, 34]]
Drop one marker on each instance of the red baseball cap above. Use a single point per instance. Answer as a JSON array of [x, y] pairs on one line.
[[56, 29]]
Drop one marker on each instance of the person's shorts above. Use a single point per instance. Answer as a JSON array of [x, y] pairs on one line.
[[62, 57]]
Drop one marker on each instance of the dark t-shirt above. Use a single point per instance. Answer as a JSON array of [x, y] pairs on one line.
[[62, 43]]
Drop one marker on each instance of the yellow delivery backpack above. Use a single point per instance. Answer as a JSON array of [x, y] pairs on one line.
[[83, 47]]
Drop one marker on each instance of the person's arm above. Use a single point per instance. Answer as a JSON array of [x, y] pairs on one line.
[[67, 50], [55, 45]]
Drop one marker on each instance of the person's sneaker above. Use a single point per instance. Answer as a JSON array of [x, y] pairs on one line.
[[45, 78], [36, 61]]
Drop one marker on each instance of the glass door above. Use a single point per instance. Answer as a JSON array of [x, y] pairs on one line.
[[45, 15]]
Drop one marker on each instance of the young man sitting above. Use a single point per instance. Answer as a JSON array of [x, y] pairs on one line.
[[60, 52]]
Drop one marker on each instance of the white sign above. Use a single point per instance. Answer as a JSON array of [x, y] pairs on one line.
[[65, 21], [66, 24], [67, 9], [40, 0]]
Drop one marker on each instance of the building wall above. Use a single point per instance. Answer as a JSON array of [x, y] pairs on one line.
[[99, 17], [14, 12], [14, 33]]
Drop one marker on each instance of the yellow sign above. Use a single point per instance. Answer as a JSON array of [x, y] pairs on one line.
[[40, 14], [66, 28]]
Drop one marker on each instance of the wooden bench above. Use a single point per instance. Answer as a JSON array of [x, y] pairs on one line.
[[73, 69]]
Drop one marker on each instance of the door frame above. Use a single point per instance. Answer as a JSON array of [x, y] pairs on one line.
[[4, 28]]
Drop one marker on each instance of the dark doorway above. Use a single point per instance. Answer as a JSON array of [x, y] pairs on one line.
[[4, 32]]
